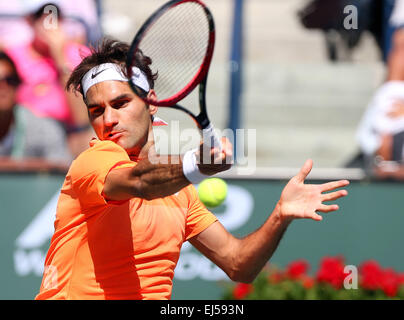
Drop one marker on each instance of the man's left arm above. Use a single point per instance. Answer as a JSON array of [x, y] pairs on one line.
[[242, 259]]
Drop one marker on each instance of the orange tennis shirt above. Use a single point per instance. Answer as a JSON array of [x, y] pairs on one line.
[[116, 250]]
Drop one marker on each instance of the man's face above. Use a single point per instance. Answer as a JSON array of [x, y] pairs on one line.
[[8, 91], [117, 114]]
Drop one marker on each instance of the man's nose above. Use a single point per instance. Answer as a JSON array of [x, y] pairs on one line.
[[110, 116]]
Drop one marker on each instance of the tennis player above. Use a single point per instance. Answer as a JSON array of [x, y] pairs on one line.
[[121, 219]]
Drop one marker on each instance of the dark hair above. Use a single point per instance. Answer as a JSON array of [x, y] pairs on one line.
[[109, 51], [15, 77]]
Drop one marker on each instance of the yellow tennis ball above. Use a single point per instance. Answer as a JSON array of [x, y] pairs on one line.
[[212, 192]]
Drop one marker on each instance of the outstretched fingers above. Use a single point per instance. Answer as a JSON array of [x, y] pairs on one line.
[[305, 170], [316, 217], [322, 208], [305, 201], [334, 195], [331, 197], [327, 208], [329, 186]]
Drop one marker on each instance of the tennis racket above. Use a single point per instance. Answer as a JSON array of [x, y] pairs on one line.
[[179, 38]]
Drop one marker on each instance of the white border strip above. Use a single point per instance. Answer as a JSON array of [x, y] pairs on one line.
[[282, 173]]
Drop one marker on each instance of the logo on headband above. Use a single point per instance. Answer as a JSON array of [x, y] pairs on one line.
[[96, 74], [112, 72]]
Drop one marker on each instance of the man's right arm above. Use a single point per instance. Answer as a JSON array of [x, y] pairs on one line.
[[145, 180], [156, 179]]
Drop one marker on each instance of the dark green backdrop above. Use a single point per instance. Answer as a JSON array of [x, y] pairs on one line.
[[368, 226]]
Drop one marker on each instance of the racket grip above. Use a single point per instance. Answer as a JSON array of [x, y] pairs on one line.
[[210, 138]]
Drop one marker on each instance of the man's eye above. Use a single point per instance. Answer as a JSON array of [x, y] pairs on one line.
[[120, 104], [96, 111]]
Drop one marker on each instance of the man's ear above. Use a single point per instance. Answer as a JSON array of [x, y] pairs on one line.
[[152, 96]]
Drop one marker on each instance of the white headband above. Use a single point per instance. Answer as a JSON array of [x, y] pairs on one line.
[[112, 71]]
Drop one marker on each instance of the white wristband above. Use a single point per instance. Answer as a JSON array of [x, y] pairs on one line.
[[190, 168]]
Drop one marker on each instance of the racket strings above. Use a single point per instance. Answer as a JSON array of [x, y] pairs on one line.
[[177, 43]]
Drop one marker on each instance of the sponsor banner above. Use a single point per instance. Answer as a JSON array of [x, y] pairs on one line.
[[368, 226]]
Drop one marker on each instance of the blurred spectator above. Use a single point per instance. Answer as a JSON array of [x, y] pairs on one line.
[[81, 21], [381, 131], [44, 65], [393, 22], [22, 134], [330, 16]]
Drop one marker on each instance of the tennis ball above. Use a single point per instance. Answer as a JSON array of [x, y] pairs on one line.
[[212, 192]]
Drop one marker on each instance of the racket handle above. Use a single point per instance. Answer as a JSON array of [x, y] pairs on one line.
[[210, 137]]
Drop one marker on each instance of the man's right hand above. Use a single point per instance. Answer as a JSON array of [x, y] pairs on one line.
[[218, 160]]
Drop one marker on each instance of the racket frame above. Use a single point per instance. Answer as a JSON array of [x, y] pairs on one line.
[[200, 77]]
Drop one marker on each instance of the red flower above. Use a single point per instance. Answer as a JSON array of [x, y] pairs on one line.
[[275, 277], [242, 290], [332, 271], [371, 275], [297, 269], [390, 282], [401, 279], [308, 282]]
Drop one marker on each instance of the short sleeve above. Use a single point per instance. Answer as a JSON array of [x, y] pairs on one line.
[[89, 170], [199, 217]]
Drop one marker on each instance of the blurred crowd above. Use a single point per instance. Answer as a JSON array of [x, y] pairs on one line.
[[381, 131], [380, 134], [40, 44]]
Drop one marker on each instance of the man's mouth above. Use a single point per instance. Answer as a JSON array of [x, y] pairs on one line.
[[114, 136]]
